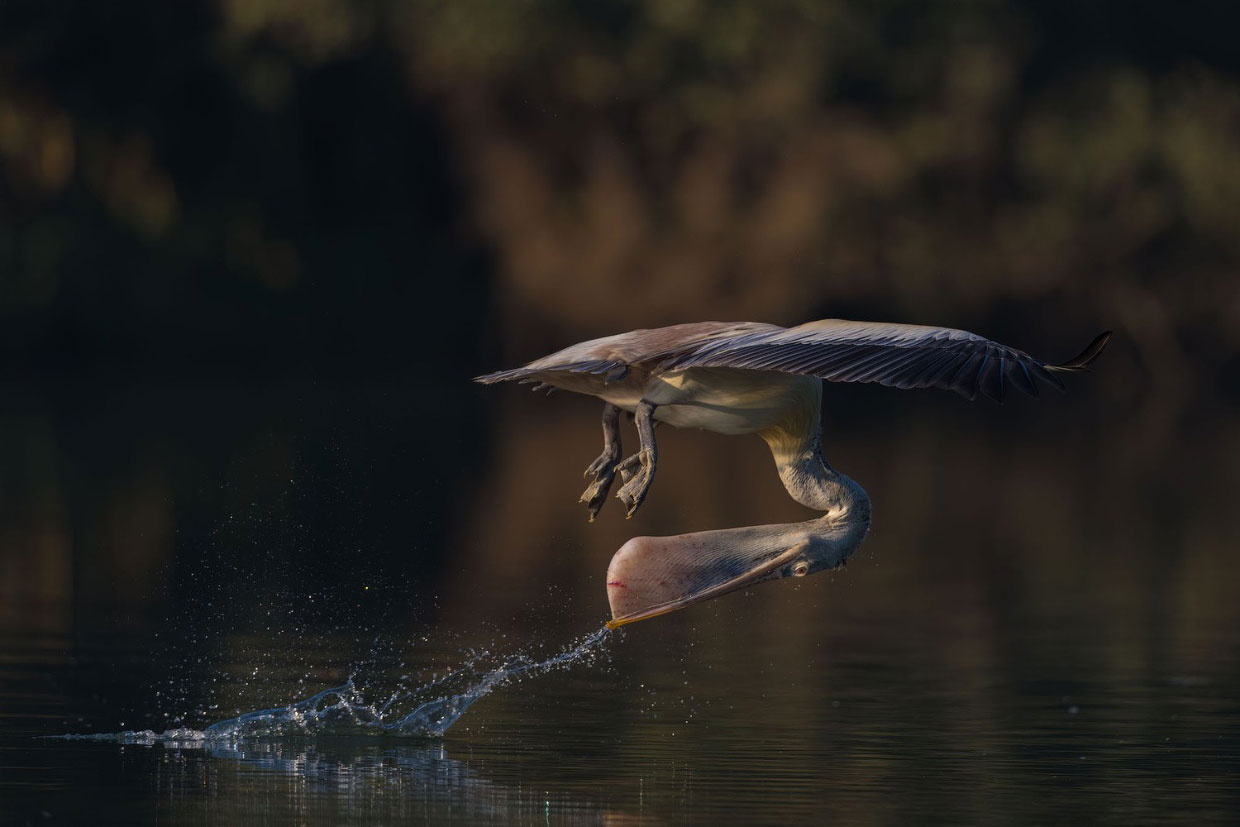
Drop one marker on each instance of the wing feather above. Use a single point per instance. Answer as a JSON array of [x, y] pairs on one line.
[[1019, 374], [897, 355], [902, 356], [936, 367], [610, 357]]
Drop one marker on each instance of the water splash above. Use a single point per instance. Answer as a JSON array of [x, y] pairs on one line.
[[345, 710]]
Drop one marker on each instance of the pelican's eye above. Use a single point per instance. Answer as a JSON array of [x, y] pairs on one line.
[[801, 568]]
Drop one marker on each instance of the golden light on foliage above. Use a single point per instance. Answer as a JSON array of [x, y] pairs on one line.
[[315, 30], [129, 181], [36, 144], [777, 160]]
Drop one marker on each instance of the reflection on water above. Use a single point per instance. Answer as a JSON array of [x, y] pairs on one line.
[[1041, 627], [330, 780], [341, 778]]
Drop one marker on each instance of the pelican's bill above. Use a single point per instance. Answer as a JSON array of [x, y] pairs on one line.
[[646, 580]]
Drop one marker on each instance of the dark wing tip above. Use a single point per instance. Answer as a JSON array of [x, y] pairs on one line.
[[503, 376], [992, 382], [1090, 353], [609, 369]]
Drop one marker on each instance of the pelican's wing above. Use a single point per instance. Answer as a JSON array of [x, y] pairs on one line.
[[898, 355], [611, 356]]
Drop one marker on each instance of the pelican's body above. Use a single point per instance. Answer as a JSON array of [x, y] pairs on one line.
[[727, 401], [748, 377], [723, 400]]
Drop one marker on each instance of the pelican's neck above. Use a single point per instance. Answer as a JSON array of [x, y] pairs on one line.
[[810, 480]]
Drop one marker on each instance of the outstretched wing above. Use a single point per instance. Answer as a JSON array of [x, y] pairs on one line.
[[897, 355], [610, 357]]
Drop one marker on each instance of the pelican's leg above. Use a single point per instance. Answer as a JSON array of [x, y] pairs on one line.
[[637, 471], [603, 469]]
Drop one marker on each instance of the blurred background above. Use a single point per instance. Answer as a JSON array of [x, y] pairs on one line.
[[252, 251]]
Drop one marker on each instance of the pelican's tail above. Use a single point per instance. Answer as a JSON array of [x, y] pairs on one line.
[[1090, 353]]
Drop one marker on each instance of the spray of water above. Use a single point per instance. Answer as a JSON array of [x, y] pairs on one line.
[[431, 708]]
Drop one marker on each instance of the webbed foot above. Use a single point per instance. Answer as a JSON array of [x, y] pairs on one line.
[[603, 469], [637, 472]]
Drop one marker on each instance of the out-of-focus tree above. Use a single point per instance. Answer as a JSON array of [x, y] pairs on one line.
[[781, 160], [976, 163]]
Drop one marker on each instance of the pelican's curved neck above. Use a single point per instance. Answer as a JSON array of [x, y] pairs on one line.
[[807, 476], [654, 575]]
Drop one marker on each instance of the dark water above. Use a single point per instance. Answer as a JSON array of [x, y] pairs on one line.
[[1042, 628]]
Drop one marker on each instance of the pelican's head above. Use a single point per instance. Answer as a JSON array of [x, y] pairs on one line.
[[650, 576]]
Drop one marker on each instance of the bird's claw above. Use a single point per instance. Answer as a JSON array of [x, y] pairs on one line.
[[629, 466], [603, 470], [637, 472], [605, 462], [596, 492]]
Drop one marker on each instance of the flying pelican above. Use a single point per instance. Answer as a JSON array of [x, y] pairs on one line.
[[751, 377]]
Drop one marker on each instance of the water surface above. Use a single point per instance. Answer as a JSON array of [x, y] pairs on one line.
[[1060, 645]]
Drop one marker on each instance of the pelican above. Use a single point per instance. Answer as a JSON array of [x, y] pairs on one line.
[[752, 377]]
